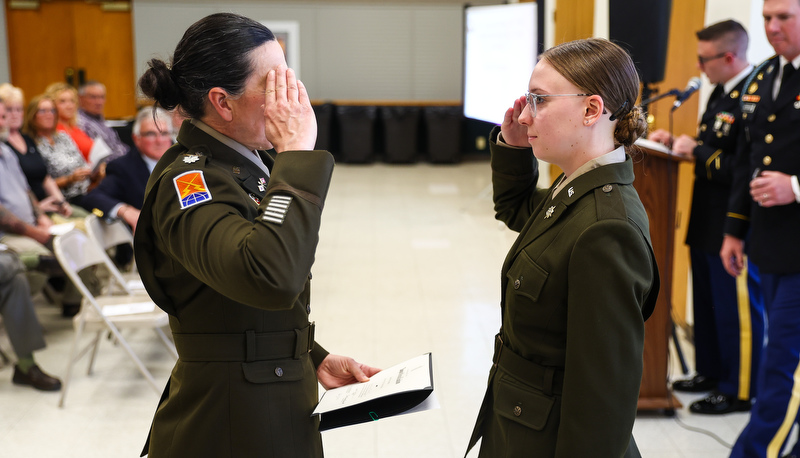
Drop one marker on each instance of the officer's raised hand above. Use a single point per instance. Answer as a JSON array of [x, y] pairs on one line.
[[290, 121]]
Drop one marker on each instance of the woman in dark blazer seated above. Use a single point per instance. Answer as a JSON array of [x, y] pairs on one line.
[[581, 278]]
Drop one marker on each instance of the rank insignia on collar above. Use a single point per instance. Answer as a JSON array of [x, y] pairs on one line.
[[570, 191], [190, 158], [192, 188], [549, 212]]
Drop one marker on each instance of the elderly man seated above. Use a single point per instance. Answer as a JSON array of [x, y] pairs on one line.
[[121, 193]]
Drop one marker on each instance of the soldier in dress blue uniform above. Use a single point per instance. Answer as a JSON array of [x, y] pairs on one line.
[[764, 201], [225, 243], [728, 314]]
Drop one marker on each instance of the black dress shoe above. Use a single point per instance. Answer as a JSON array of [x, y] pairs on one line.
[[36, 378], [695, 384], [719, 404]]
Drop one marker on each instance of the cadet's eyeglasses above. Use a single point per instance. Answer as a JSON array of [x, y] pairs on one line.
[[533, 99]]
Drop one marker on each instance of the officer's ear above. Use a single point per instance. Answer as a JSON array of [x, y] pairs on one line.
[[218, 98]]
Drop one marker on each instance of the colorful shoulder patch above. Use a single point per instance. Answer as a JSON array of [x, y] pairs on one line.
[[192, 188]]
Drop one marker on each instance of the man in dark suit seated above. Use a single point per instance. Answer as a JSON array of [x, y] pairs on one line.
[[121, 193]]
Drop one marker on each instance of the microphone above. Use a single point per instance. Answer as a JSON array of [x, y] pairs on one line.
[[691, 88]]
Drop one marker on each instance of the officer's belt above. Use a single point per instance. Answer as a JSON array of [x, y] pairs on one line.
[[246, 347], [549, 379]]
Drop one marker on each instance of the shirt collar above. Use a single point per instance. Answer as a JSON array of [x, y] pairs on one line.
[[149, 162], [731, 83], [614, 157], [251, 155]]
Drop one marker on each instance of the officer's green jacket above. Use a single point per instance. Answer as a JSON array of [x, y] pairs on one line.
[[577, 286], [227, 252]]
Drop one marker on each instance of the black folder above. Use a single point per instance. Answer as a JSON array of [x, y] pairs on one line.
[[387, 395]]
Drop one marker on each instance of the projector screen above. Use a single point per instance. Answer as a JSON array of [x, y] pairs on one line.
[[499, 54]]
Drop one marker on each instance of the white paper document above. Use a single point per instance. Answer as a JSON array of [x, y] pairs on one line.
[[63, 228], [410, 375], [404, 388]]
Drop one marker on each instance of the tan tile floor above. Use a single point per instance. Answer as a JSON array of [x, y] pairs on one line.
[[408, 263]]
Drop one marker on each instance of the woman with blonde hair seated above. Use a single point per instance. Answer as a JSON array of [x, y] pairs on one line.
[[65, 163], [66, 100]]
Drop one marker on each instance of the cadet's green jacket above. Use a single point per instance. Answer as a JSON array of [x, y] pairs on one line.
[[227, 252], [577, 286]]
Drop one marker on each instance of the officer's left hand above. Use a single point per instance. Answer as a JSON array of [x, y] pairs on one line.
[[772, 188], [336, 371]]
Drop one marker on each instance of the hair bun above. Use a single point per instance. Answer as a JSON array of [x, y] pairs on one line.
[[158, 83], [630, 127]]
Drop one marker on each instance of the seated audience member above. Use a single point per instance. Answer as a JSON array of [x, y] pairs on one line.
[[44, 187], [21, 323], [66, 100], [92, 101], [64, 162], [26, 230], [121, 193]]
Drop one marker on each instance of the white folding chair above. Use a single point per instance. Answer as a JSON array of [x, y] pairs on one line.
[[108, 235], [99, 314]]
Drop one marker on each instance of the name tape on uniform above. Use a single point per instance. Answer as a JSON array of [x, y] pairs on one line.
[[276, 209]]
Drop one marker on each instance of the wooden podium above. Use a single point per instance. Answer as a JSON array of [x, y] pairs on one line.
[[656, 181]]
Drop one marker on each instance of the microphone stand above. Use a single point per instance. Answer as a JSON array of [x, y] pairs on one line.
[[647, 101]]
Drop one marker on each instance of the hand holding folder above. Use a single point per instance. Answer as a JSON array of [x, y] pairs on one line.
[[393, 391]]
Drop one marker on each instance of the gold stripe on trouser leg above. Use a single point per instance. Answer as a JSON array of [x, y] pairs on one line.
[[774, 447], [745, 334]]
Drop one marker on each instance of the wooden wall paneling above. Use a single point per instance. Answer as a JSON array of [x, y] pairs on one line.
[[104, 47], [77, 34], [40, 45], [687, 18]]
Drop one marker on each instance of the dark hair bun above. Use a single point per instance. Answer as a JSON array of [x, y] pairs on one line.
[[158, 83]]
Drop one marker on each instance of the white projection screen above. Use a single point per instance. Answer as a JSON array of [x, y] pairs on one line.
[[499, 54]]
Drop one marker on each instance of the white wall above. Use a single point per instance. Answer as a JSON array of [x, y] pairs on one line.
[[748, 13], [348, 51]]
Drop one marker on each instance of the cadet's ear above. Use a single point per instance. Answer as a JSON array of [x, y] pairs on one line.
[[218, 98], [594, 109]]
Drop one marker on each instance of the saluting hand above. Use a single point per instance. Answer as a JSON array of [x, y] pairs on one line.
[[514, 133], [336, 371], [290, 121]]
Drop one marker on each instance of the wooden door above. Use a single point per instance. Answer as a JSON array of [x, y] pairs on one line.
[[73, 41]]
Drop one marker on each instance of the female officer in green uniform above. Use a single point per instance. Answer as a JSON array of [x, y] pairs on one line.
[[225, 244], [581, 277]]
